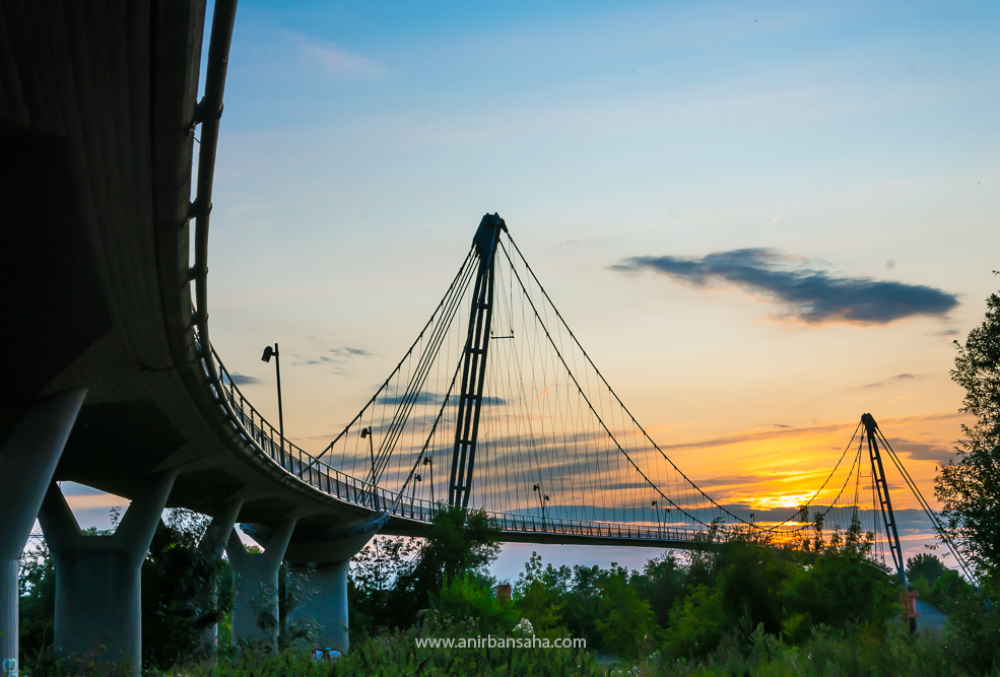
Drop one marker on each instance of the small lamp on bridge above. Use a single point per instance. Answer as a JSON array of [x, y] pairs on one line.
[[430, 462], [541, 498], [367, 432]]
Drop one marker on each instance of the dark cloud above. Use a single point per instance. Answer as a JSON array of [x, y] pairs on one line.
[[922, 452], [424, 397], [812, 296], [946, 332], [243, 379], [621, 486]]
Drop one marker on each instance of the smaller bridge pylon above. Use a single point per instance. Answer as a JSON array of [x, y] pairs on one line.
[[882, 490]]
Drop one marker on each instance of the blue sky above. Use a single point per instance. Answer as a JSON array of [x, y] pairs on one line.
[[362, 142]]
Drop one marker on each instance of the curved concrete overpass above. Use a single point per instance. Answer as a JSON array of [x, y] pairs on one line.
[[98, 113]]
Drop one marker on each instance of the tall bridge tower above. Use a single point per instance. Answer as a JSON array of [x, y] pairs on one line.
[[470, 402]]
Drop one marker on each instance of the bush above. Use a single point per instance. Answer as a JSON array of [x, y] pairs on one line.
[[471, 598]]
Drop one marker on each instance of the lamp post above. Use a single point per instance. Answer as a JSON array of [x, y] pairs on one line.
[[430, 461], [367, 432], [656, 510], [268, 353], [542, 498]]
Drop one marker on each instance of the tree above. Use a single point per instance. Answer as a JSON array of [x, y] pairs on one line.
[[459, 542], [697, 623], [539, 594], [178, 592], [751, 577], [925, 566], [392, 585], [583, 601], [969, 487], [626, 621], [664, 580], [37, 587]]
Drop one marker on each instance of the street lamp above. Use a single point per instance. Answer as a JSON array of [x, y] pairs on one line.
[[367, 432], [542, 499], [268, 352], [430, 461]]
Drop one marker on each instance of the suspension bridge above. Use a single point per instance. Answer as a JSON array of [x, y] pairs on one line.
[[496, 406], [112, 379]]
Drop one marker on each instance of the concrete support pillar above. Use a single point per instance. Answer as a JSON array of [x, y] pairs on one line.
[[98, 593], [326, 604], [27, 462], [212, 545], [329, 555], [255, 584]]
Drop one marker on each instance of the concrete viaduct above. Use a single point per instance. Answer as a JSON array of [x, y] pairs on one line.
[[106, 381]]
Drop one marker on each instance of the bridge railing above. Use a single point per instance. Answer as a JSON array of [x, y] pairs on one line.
[[423, 510], [298, 462], [328, 479]]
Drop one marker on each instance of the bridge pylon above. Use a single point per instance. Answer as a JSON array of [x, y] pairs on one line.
[[470, 403], [882, 491]]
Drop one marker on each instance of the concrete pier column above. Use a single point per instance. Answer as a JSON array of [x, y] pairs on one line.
[[212, 545], [328, 554], [255, 584], [98, 592], [27, 461], [326, 604]]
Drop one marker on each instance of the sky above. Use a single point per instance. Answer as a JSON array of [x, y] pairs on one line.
[[760, 219]]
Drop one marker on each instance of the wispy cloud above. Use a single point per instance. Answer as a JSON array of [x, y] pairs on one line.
[[809, 295], [242, 379], [922, 452], [349, 352], [776, 219], [897, 377], [335, 356], [333, 60]]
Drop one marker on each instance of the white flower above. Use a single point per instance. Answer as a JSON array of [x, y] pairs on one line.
[[524, 625]]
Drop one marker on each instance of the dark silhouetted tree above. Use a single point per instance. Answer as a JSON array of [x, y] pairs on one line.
[[969, 486]]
